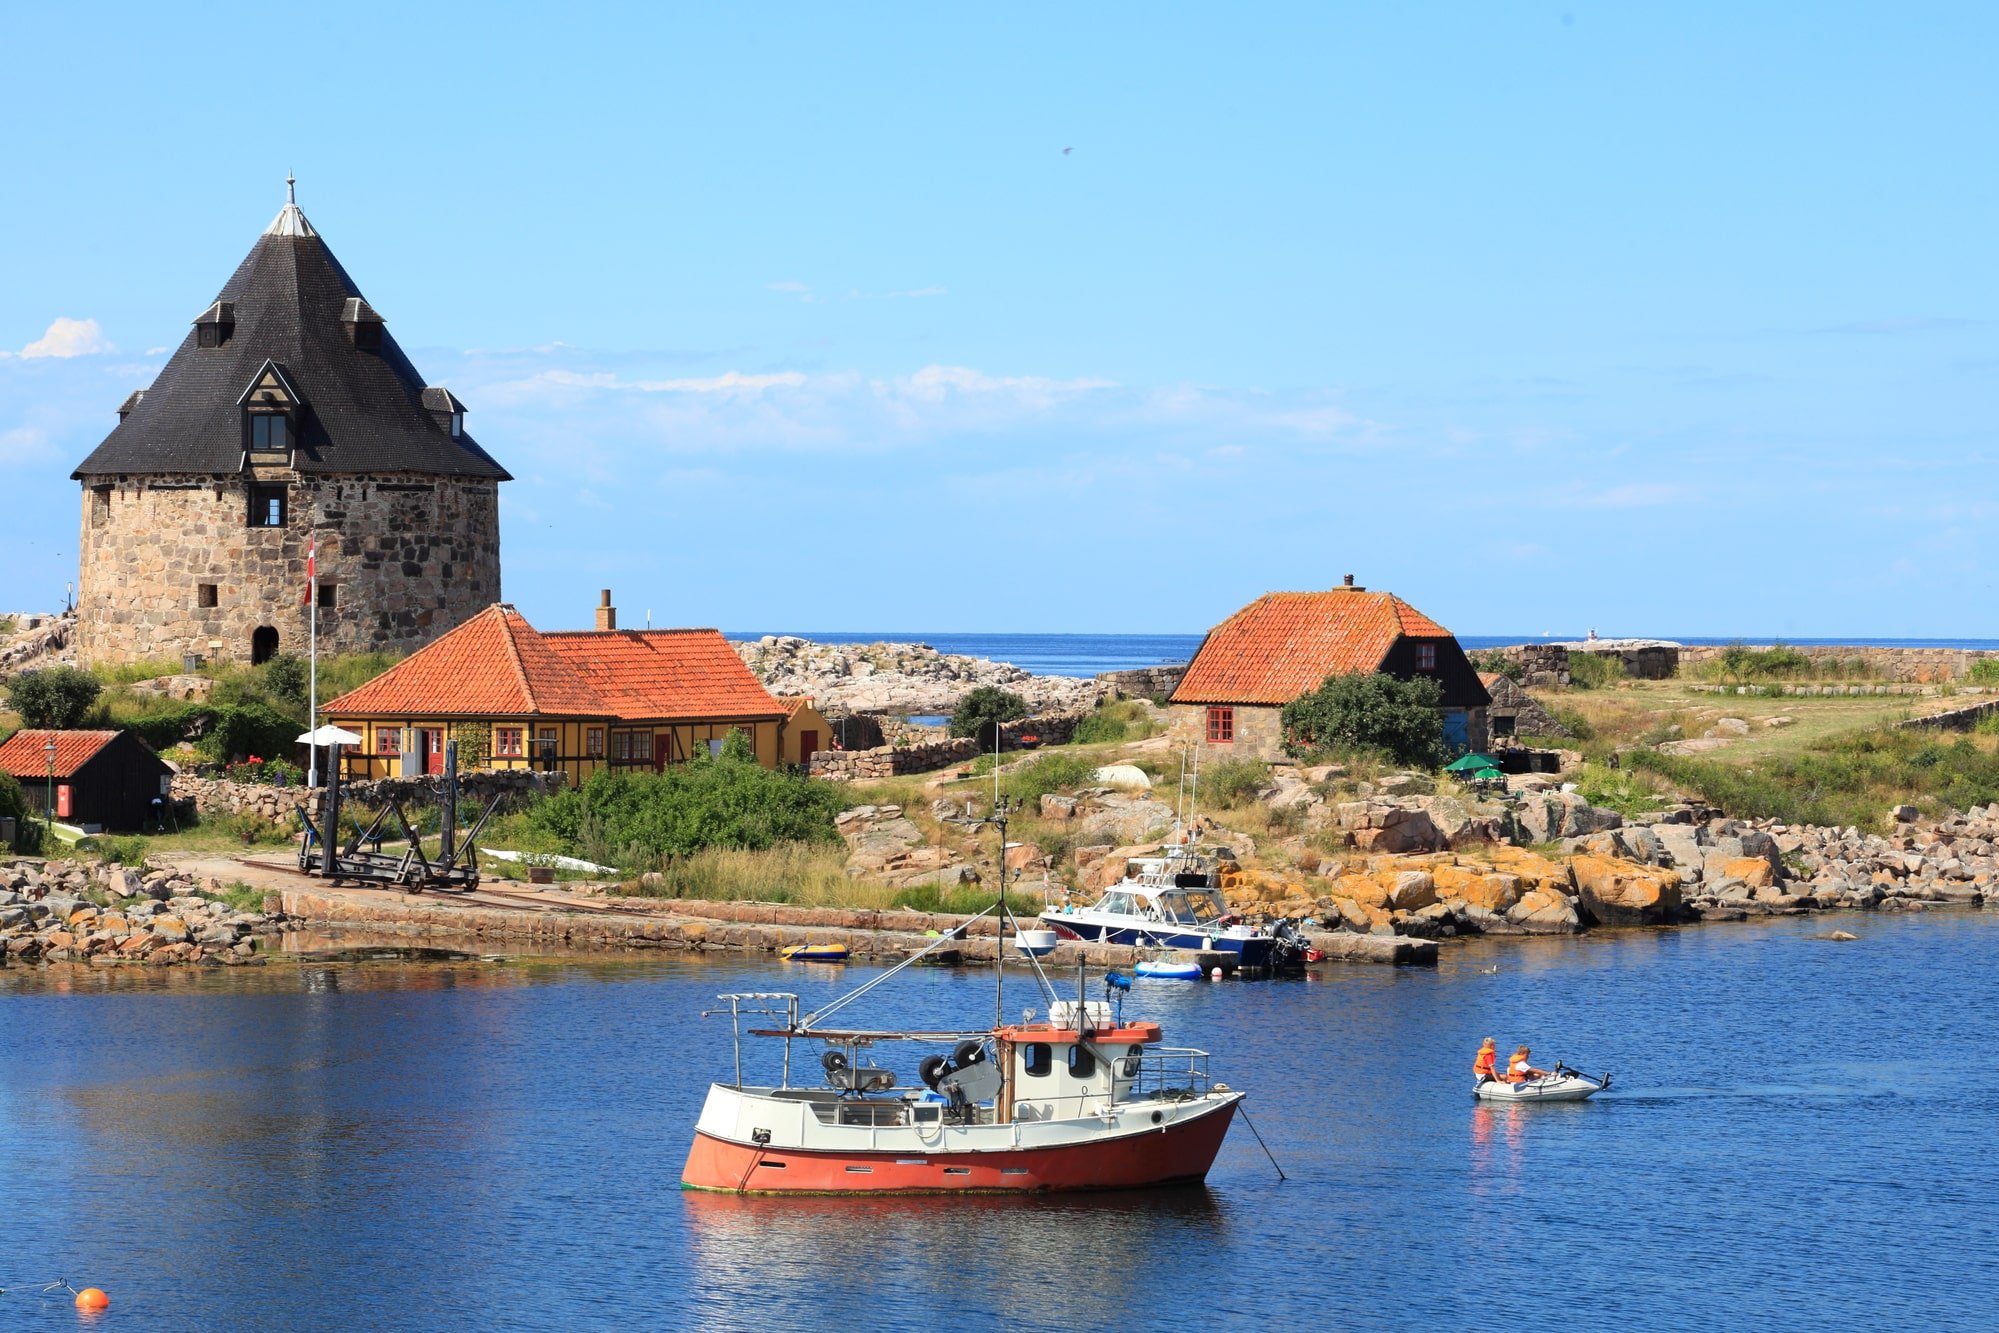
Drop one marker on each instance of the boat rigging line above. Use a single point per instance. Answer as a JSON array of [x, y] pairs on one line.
[[1242, 1109]]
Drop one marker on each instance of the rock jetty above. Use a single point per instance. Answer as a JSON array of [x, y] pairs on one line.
[[68, 911], [900, 678]]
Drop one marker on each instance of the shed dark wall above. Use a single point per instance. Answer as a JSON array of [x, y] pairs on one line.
[[115, 789], [1454, 674]]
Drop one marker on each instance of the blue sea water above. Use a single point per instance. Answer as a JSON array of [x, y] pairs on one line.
[[1088, 654], [1798, 1137]]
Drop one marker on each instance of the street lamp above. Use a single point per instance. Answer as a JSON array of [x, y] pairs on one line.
[[50, 796]]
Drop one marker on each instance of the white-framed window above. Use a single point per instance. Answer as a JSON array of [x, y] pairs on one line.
[[508, 742]]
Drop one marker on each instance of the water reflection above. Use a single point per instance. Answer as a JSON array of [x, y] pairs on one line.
[[379, 1144]]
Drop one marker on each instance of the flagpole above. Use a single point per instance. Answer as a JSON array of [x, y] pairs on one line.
[[312, 660]]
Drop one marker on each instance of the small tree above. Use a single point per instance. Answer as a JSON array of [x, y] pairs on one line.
[[981, 712], [284, 679], [54, 698], [1368, 710]]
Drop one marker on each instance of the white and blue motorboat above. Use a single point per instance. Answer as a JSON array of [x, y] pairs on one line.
[[1171, 901]]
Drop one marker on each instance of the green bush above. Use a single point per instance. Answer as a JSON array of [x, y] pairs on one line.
[[960, 900], [1843, 780], [1593, 671], [284, 679], [54, 697], [14, 806], [1232, 782], [1985, 671], [1113, 721], [1574, 723], [1371, 711], [981, 711], [223, 733], [1494, 660], [1046, 774], [635, 818]]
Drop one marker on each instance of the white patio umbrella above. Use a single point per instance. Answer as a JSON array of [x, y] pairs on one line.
[[329, 735]]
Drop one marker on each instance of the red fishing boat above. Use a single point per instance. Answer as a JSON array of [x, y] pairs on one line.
[[1083, 1100]]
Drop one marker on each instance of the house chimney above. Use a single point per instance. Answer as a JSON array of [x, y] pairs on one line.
[[1348, 585], [607, 615]]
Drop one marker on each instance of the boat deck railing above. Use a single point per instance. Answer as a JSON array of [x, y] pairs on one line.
[[1168, 1071]]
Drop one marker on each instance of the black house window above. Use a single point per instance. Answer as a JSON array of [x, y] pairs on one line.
[[368, 335], [328, 596], [1426, 657], [209, 335], [204, 595], [270, 432], [267, 506]]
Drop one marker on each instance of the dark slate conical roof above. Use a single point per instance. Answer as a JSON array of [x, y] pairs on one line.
[[363, 412]]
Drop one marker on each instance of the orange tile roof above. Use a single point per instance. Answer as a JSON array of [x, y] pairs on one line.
[[791, 703], [493, 665], [24, 754], [662, 673], [1285, 644]]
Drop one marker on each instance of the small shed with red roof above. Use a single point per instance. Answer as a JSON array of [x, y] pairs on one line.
[[569, 701], [1285, 644], [101, 779]]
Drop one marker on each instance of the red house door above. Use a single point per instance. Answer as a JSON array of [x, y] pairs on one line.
[[808, 745], [431, 741]]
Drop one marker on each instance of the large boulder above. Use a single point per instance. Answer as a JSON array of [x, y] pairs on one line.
[[1545, 912], [1622, 893], [1116, 817], [1412, 890], [876, 835]]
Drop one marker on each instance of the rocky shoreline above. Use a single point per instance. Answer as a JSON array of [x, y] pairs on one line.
[[900, 679], [71, 911]]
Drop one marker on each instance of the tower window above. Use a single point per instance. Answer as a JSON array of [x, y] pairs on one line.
[[270, 433], [457, 424], [267, 506], [368, 336], [328, 596], [100, 506], [204, 595], [209, 335]]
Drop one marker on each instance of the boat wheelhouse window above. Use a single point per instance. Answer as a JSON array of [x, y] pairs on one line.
[[1115, 901], [1037, 1060], [1082, 1061], [1204, 906]]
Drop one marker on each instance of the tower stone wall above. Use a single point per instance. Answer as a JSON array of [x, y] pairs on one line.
[[406, 556]]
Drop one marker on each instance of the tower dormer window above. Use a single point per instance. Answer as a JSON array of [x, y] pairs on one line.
[[270, 415], [270, 433], [445, 410], [363, 325], [216, 324]]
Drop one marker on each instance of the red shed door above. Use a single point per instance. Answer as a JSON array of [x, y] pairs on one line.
[[808, 745]]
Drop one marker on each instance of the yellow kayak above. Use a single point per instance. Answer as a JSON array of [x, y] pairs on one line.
[[814, 953]]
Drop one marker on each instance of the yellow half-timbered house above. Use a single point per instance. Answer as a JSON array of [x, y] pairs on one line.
[[574, 702]]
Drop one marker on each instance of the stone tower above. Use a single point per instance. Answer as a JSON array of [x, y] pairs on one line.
[[288, 417]]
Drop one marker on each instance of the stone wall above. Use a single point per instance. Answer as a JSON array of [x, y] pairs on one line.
[[886, 761], [1956, 719], [1903, 665], [515, 787], [409, 557], [1542, 665], [1144, 682], [1258, 734]]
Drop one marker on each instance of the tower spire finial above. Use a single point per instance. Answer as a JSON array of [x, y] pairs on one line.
[[291, 189]]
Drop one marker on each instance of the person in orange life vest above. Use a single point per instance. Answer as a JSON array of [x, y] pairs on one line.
[[1486, 1066], [1518, 1070]]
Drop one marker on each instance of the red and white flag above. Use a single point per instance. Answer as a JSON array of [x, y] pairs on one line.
[[311, 567]]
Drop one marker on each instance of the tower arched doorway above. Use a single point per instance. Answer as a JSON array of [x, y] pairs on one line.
[[263, 645]]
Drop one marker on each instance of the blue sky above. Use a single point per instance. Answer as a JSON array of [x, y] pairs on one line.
[[1658, 319]]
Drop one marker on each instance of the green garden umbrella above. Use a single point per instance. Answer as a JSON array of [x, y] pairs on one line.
[[1470, 762], [1489, 775]]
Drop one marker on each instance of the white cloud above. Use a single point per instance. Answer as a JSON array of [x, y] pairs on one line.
[[68, 337]]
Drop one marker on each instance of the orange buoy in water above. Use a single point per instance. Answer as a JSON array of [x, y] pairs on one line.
[[92, 1298]]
